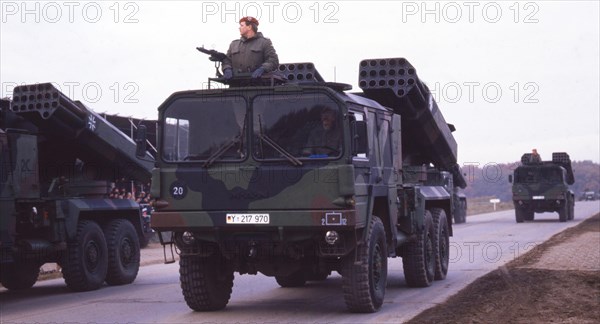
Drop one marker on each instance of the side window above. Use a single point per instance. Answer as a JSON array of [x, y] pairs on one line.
[[373, 143], [385, 143], [176, 137], [360, 116]]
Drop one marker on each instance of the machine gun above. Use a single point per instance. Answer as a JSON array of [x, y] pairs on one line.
[[215, 56]]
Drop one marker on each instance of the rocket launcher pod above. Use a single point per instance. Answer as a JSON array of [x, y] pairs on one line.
[[298, 72], [559, 158], [427, 137], [80, 130]]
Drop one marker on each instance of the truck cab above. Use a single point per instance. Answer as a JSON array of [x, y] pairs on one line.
[[238, 158]]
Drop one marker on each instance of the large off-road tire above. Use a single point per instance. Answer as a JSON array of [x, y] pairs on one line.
[[86, 262], [296, 279], [364, 274], [520, 215], [123, 252], [563, 212], [441, 243], [528, 215], [418, 257], [461, 214], [572, 210], [206, 282], [19, 275]]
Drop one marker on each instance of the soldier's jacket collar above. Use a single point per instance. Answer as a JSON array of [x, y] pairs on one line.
[[257, 36]]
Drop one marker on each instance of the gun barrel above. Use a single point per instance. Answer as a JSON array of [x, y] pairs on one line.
[[214, 55]]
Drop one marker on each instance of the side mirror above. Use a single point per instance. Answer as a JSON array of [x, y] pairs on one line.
[[359, 137], [140, 141], [510, 178]]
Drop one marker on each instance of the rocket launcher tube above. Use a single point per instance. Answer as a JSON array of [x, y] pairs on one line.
[[94, 139], [427, 138], [45, 101]]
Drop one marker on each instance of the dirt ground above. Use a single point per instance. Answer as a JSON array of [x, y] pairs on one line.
[[556, 282]]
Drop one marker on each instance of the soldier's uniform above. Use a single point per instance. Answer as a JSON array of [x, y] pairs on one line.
[[246, 55], [321, 141]]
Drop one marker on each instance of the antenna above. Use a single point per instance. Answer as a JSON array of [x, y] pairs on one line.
[[334, 74]]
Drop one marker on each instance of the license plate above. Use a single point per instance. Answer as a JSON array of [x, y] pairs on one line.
[[538, 197], [247, 218]]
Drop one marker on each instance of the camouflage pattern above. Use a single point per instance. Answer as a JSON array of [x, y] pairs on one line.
[[59, 160], [7, 206], [18, 179], [233, 180], [543, 186]]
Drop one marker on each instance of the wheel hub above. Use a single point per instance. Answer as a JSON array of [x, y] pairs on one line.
[[92, 255], [126, 251]]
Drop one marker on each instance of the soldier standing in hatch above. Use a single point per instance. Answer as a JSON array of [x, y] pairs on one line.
[[535, 157], [251, 53]]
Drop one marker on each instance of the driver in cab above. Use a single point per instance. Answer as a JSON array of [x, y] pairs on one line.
[[325, 140]]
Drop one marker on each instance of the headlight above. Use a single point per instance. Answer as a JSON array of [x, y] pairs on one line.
[[331, 237], [188, 238]]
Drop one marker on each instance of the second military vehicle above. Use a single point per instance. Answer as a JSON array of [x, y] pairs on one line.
[[588, 195], [58, 161], [301, 178], [543, 186]]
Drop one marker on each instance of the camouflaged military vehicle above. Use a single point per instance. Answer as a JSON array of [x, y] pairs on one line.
[[295, 178], [543, 186], [588, 195], [58, 160]]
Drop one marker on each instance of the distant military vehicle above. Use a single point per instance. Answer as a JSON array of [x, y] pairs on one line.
[[298, 179], [543, 186], [588, 195], [58, 160]]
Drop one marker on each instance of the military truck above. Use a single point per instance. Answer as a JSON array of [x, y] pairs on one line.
[[543, 186], [242, 186], [588, 195], [58, 161]]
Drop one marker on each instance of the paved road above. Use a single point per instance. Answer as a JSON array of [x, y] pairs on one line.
[[484, 243]]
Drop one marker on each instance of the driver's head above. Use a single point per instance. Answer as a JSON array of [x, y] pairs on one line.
[[328, 118]]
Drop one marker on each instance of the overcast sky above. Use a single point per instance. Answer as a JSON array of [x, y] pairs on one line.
[[511, 76]]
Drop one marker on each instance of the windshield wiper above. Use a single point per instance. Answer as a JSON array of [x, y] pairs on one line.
[[225, 147], [222, 149], [265, 138], [279, 149]]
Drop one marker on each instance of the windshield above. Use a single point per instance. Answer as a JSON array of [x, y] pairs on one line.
[[293, 127], [205, 129], [534, 175]]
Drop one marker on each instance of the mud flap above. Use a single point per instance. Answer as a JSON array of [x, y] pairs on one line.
[[170, 242]]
